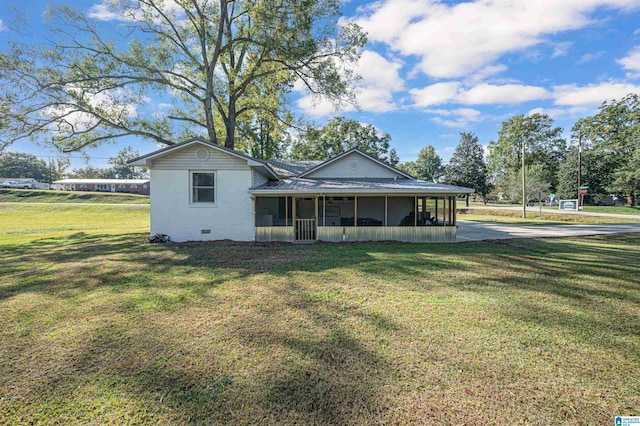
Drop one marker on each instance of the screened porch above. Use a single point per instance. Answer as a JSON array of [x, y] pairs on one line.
[[333, 217]]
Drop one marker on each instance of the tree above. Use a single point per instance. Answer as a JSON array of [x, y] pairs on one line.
[[217, 62], [340, 135], [467, 167], [264, 139], [597, 173], [615, 132], [542, 141], [120, 169], [536, 183], [23, 166], [91, 172], [428, 166]]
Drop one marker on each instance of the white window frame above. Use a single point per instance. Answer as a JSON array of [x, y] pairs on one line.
[[215, 189], [134, 186], [122, 186], [145, 186]]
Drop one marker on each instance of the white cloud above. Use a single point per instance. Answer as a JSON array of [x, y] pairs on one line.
[[631, 62], [561, 49], [502, 94], [459, 39], [453, 92], [456, 118], [436, 94], [108, 10], [3, 27], [593, 94], [588, 57], [374, 93]]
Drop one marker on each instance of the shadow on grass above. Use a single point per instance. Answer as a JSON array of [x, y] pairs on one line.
[[285, 353]]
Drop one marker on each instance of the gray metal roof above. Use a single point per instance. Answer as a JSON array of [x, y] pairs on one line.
[[352, 186], [290, 168]]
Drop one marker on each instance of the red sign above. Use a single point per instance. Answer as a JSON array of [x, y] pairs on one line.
[[583, 191]]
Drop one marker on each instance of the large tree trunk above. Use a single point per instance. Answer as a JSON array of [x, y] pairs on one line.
[[230, 125], [631, 199]]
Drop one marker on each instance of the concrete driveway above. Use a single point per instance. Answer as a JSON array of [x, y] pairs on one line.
[[479, 231]]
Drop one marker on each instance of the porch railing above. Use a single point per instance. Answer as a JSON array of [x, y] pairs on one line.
[[305, 229]]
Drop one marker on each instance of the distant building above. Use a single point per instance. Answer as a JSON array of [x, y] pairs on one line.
[[132, 186]]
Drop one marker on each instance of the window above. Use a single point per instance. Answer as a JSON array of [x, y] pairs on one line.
[[145, 186], [134, 186], [102, 187], [122, 186], [83, 185], [203, 187]]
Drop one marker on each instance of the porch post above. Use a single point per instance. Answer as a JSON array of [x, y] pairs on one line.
[[455, 213], [355, 211], [415, 210], [293, 217], [316, 215], [324, 210], [286, 211], [385, 211]]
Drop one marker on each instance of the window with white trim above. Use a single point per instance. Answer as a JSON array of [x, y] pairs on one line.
[[122, 186], [134, 186], [203, 189]]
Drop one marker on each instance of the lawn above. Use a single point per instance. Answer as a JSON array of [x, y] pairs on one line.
[[42, 196], [99, 326], [613, 209], [514, 217]]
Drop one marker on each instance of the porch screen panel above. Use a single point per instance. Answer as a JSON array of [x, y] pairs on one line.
[[272, 211], [401, 211], [370, 211], [340, 211]]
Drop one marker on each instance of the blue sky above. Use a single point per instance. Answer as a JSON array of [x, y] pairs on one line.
[[435, 68]]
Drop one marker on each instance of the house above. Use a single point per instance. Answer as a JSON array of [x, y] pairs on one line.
[[203, 191], [132, 186]]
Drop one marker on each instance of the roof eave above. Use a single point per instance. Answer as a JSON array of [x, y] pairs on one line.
[[362, 191]]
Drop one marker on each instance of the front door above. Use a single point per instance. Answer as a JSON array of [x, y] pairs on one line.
[[305, 209], [113, 187]]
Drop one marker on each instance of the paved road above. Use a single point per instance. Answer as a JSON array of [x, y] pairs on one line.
[[479, 231], [537, 209]]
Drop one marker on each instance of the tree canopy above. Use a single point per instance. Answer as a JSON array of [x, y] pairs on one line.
[[340, 135], [24, 166], [217, 63], [427, 167], [543, 143], [615, 132], [467, 167]]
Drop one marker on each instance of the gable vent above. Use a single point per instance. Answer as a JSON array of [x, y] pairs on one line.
[[202, 154]]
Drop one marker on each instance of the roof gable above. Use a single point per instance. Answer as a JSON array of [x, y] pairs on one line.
[[191, 144], [354, 164]]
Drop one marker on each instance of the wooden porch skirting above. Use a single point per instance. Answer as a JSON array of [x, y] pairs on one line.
[[410, 234]]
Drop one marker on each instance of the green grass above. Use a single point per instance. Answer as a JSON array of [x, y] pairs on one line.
[[514, 217], [100, 327], [41, 196], [613, 209]]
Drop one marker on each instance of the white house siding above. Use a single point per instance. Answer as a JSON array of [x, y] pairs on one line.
[[258, 179], [185, 159], [172, 214], [353, 165]]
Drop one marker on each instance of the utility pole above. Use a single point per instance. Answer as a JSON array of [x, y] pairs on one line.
[[524, 186], [579, 170]]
